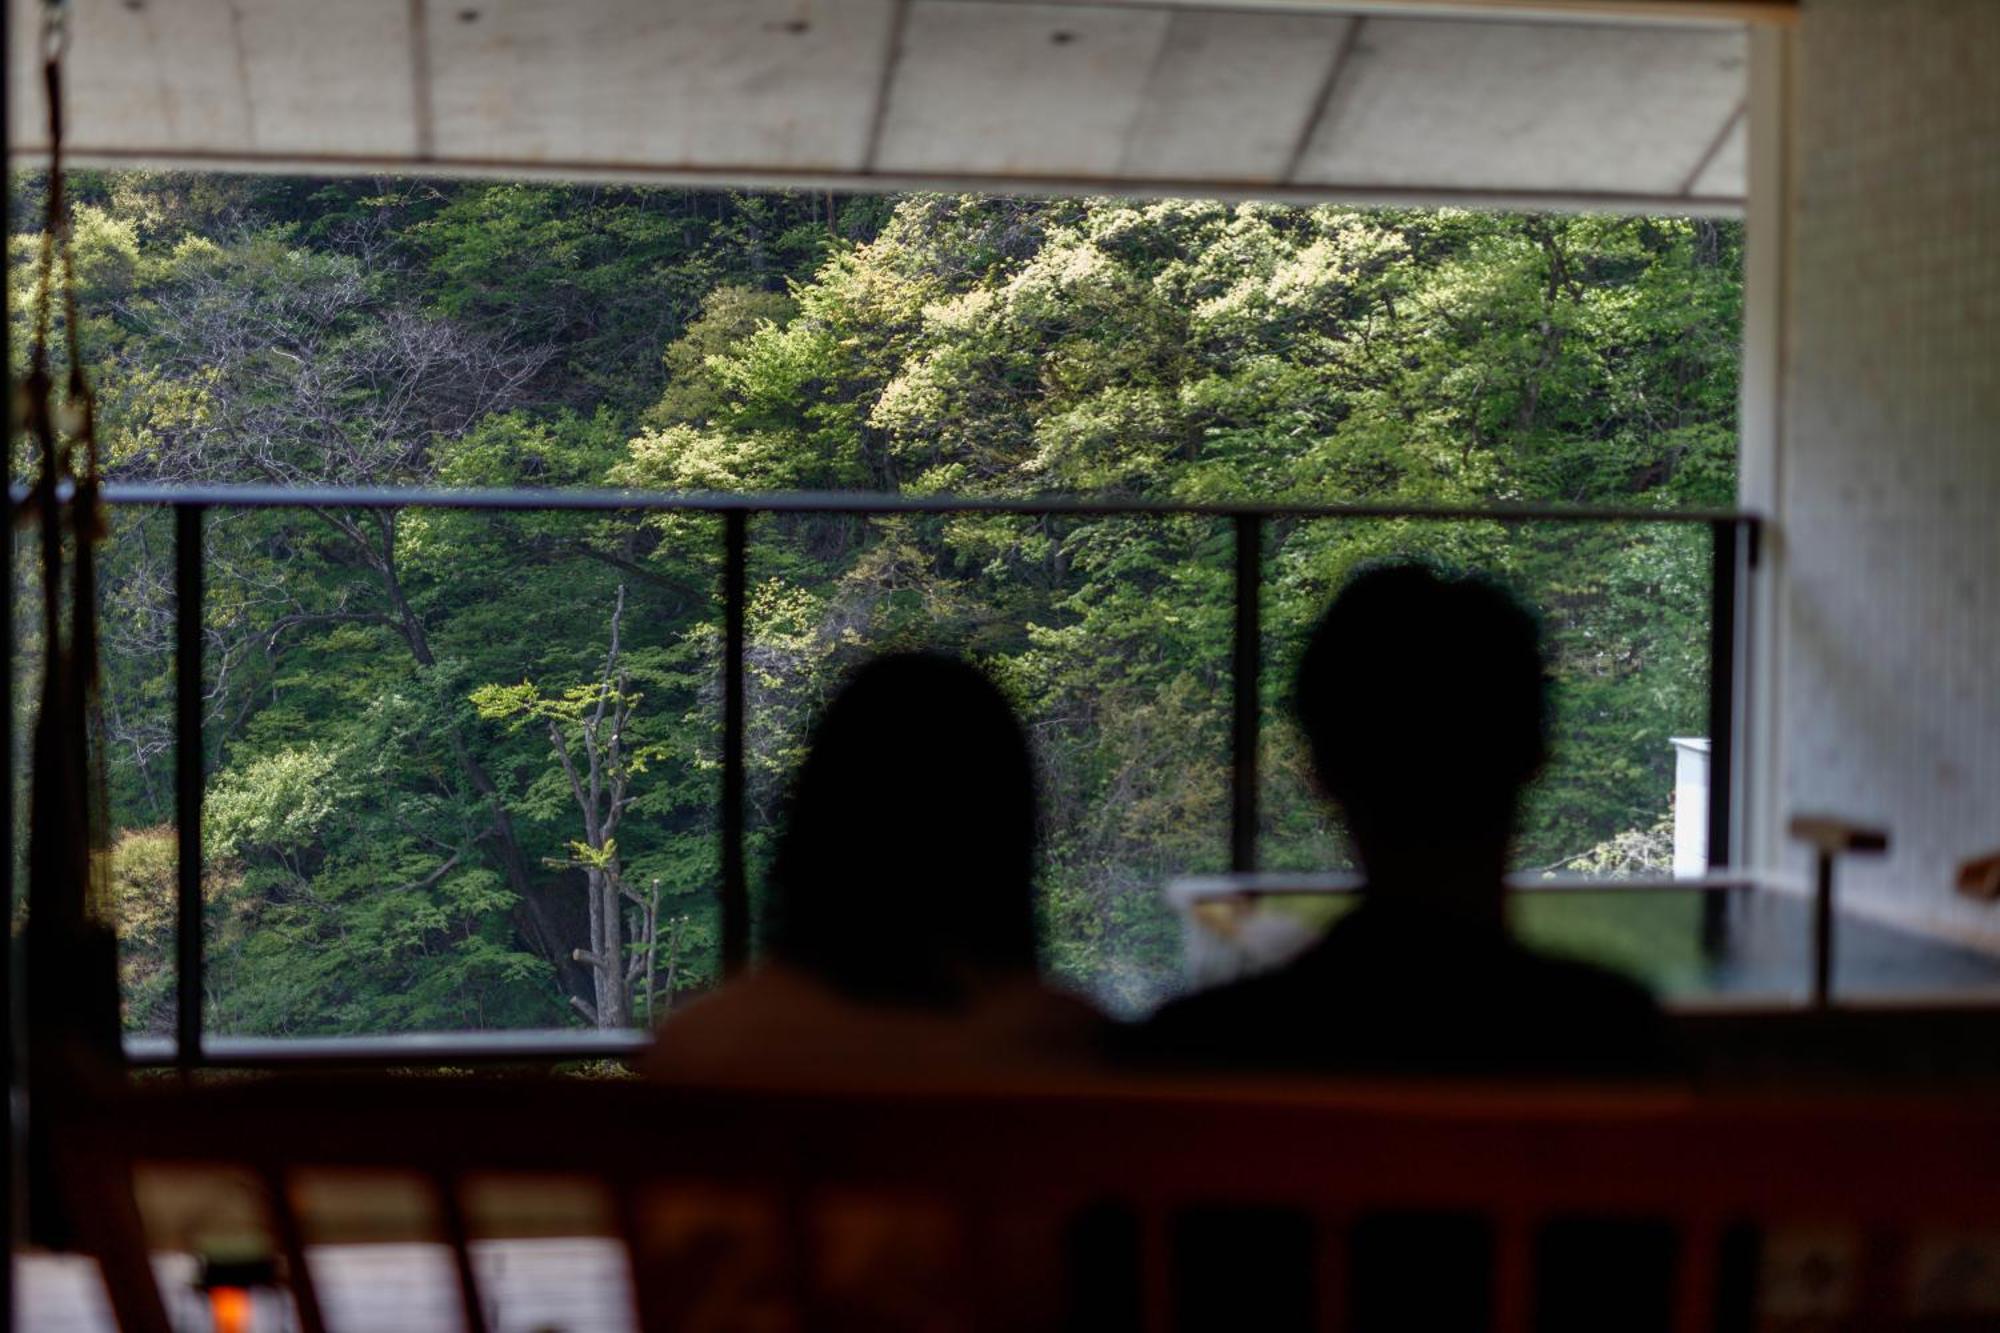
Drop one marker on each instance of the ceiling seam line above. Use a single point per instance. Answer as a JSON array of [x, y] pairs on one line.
[[892, 64], [1141, 114], [1714, 148], [1322, 101], [1713, 14], [420, 81], [242, 69]]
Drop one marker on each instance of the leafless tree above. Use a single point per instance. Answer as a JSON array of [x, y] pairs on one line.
[[589, 731], [601, 788]]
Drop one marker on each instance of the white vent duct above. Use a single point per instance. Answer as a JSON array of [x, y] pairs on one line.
[[1690, 805]]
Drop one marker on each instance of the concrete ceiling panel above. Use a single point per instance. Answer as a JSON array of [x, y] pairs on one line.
[[1017, 89], [972, 94], [788, 84], [1727, 173], [1231, 95], [1472, 105], [225, 77]]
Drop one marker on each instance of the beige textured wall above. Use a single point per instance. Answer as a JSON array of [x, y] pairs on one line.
[[1889, 494]]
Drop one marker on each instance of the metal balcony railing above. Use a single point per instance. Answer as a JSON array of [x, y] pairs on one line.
[[1733, 544]]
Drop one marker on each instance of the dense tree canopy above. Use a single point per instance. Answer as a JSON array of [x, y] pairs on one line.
[[463, 766]]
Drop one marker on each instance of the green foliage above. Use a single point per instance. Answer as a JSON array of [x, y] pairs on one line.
[[144, 867], [1204, 351], [394, 842], [277, 802]]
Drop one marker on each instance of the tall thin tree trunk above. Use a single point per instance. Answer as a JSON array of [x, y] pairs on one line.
[[614, 1008]]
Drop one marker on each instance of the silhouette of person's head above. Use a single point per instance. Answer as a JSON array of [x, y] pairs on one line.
[[907, 860], [1423, 697]]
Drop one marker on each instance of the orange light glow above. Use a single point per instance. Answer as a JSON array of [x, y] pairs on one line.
[[230, 1307]]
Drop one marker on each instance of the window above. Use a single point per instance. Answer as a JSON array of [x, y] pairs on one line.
[[392, 843]]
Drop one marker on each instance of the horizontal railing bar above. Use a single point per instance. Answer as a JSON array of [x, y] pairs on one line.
[[853, 502], [538, 1045], [420, 1050], [1186, 890]]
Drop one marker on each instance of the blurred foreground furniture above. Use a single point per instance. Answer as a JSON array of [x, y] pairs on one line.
[[1098, 1204]]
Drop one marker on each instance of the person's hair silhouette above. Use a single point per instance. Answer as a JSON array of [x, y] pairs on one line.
[[901, 916], [908, 852], [1423, 698]]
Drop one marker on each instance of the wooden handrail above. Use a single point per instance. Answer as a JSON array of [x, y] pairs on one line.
[[1529, 1159]]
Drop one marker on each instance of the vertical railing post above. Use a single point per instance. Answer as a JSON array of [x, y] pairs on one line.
[[457, 1236], [1725, 537], [1829, 837], [16, 1159], [1822, 929], [188, 782], [1246, 679], [735, 884], [14, 1151]]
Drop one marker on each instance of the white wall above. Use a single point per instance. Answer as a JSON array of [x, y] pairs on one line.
[[1888, 494]]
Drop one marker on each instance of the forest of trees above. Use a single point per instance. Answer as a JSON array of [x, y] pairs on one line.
[[463, 767]]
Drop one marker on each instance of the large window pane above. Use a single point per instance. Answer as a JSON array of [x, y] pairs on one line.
[[1624, 609], [480, 333], [1625, 624], [446, 749], [1127, 709]]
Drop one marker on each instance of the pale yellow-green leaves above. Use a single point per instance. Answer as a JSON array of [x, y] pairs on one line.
[[278, 801]]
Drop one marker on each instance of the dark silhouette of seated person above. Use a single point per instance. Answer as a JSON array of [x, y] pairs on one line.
[[901, 923], [1423, 699]]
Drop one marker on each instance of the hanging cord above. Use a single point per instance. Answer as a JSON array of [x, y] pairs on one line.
[[71, 951], [88, 527], [67, 875]]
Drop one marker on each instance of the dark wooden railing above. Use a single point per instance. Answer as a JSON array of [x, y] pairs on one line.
[[1128, 1204]]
